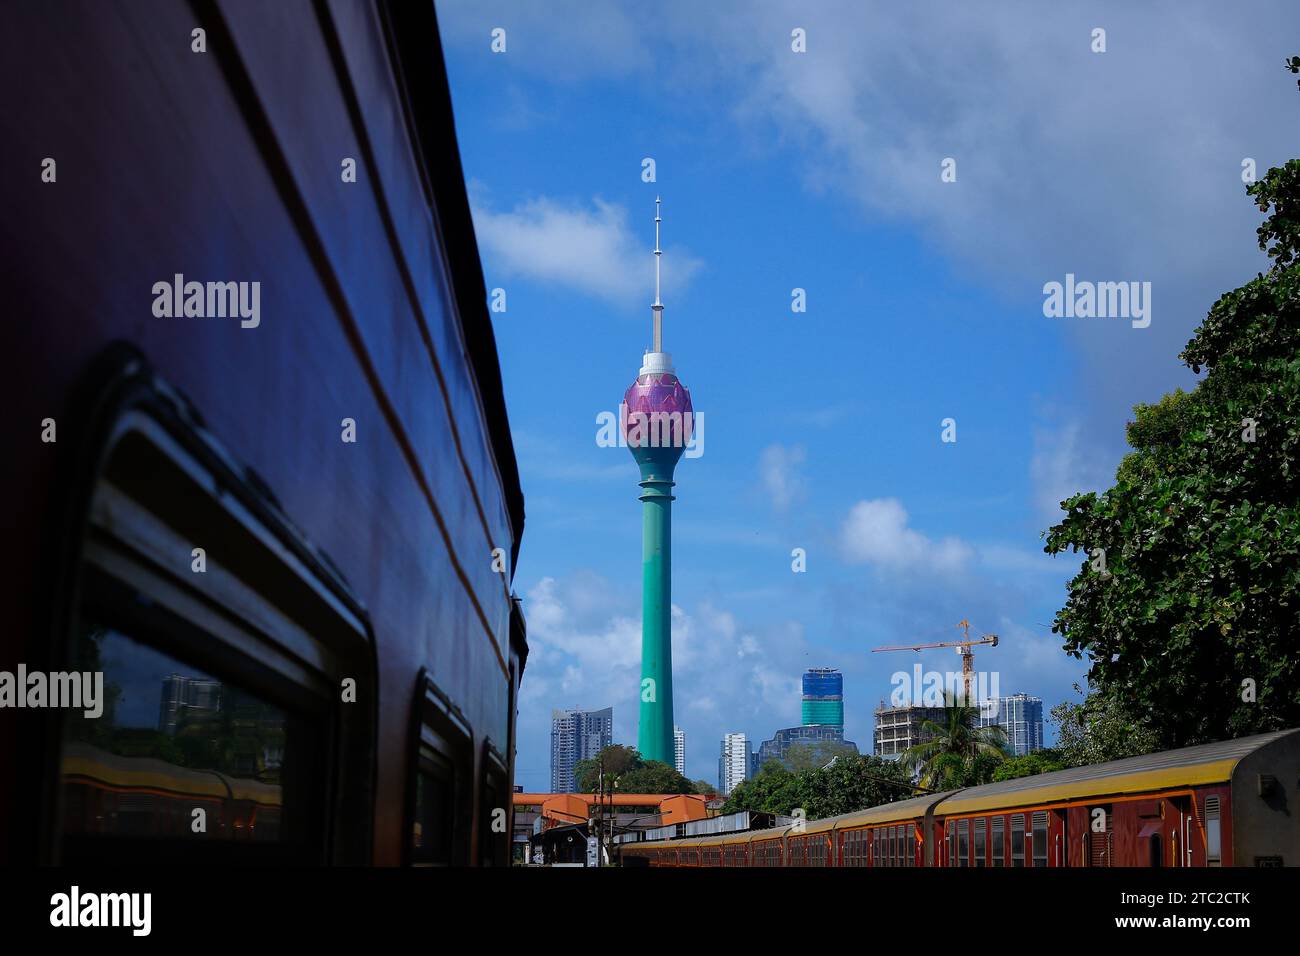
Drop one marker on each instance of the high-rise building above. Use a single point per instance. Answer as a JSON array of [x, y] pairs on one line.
[[1021, 716], [577, 735], [823, 738], [183, 697], [656, 420], [679, 750], [823, 697], [898, 728], [734, 762]]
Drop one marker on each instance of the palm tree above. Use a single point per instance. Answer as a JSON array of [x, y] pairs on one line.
[[958, 752]]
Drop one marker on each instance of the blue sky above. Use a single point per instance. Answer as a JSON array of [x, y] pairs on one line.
[[821, 171]]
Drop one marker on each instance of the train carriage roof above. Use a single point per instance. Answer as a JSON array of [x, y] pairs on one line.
[[873, 816], [1190, 766], [888, 812]]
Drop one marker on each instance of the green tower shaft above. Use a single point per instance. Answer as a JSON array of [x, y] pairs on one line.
[[655, 727]]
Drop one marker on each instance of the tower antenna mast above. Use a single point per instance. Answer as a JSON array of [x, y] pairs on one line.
[[658, 307]]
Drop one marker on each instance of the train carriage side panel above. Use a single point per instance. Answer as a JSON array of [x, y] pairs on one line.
[[226, 167]]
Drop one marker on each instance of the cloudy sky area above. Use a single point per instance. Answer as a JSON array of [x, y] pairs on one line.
[[821, 171]]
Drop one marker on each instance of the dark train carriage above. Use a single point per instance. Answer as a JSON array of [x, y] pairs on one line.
[[259, 471]]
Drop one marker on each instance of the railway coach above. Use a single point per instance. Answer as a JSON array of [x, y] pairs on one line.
[[1232, 803], [258, 470]]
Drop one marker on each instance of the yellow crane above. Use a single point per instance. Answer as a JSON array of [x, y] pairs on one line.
[[965, 649]]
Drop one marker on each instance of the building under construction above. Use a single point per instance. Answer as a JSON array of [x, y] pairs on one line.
[[898, 728]]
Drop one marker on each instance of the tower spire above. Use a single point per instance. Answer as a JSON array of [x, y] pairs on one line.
[[658, 307]]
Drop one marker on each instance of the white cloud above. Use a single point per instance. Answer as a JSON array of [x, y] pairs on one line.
[[591, 249], [778, 467], [1062, 466], [584, 636], [876, 532]]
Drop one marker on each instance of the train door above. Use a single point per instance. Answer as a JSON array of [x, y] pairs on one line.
[[1096, 834], [1181, 824], [1056, 838]]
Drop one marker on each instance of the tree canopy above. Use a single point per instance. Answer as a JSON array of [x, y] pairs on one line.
[[624, 766], [852, 782], [1187, 603]]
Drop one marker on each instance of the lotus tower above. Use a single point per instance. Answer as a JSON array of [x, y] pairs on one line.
[[657, 423]]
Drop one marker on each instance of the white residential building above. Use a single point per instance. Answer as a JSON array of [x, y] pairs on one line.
[[734, 763]]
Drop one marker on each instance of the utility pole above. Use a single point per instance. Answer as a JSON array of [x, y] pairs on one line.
[[600, 807]]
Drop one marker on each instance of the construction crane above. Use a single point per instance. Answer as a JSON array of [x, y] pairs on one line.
[[965, 649]]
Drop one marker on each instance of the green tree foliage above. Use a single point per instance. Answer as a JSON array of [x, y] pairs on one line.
[[1098, 729], [852, 782], [1040, 761], [810, 756], [1201, 532], [957, 752], [624, 766]]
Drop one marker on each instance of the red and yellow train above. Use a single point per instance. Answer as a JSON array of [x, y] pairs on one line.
[[1232, 803]]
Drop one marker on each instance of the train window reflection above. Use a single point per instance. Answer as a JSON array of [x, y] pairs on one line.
[[177, 753]]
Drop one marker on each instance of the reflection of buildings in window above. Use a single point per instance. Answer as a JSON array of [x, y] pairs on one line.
[[214, 746], [187, 697]]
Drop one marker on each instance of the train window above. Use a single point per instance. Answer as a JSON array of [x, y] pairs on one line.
[[439, 801], [1040, 838], [981, 853], [222, 636], [1018, 839], [432, 813], [1213, 833], [1154, 849], [911, 847], [963, 842], [178, 756], [999, 840]]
